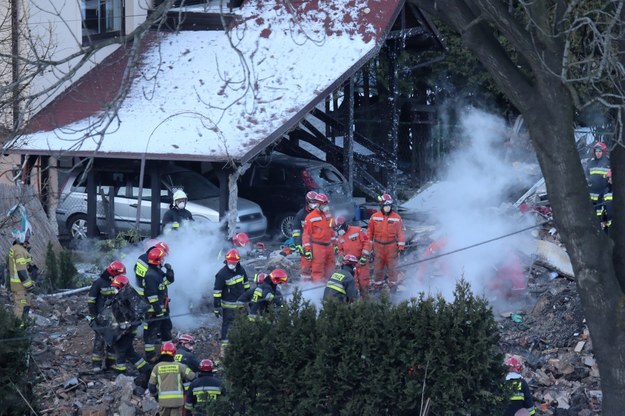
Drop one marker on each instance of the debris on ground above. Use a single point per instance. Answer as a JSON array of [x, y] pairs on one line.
[[547, 331]]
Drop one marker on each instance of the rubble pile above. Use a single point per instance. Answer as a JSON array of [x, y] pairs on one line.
[[547, 331], [550, 335]]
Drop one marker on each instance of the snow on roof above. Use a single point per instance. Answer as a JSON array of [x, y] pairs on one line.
[[204, 95]]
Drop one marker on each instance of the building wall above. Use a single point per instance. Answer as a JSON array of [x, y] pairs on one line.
[[54, 30]]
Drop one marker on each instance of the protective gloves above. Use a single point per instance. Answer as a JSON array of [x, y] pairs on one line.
[[308, 255], [217, 312], [363, 260]]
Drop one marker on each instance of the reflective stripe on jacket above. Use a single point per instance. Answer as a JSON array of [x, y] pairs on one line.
[[386, 229], [318, 229], [168, 377]]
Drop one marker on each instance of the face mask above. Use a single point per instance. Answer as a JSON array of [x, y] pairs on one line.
[[386, 209], [181, 204], [232, 266], [313, 206], [325, 208]]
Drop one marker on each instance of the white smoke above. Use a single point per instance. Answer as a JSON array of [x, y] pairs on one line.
[[467, 207], [196, 254]]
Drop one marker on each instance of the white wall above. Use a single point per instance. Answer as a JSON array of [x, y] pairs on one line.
[[56, 27]]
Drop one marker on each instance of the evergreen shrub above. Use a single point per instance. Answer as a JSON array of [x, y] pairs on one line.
[[367, 358], [14, 380]]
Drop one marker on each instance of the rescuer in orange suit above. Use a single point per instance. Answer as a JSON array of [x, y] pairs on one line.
[[354, 240], [319, 240], [386, 231]]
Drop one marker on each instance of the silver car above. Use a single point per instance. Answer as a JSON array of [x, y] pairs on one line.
[[203, 200]]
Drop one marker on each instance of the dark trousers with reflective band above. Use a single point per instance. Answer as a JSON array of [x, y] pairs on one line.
[[125, 352], [154, 332], [101, 351], [228, 316]]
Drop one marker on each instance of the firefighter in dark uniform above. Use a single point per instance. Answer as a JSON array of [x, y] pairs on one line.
[[128, 310], [141, 266], [521, 396], [597, 172], [298, 227], [184, 352], [178, 212], [155, 292], [99, 293], [246, 297], [267, 293], [204, 390], [341, 285], [230, 283]]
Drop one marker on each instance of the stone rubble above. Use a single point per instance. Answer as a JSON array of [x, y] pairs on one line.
[[547, 331]]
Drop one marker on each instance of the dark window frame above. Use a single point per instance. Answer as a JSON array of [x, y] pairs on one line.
[[88, 39]]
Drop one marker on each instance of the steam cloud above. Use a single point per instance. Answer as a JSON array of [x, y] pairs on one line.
[[468, 206]]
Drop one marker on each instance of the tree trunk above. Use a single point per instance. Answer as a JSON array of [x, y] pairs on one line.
[[550, 121], [547, 106]]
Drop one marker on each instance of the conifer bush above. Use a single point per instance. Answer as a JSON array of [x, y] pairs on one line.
[[368, 358], [60, 270], [14, 352]]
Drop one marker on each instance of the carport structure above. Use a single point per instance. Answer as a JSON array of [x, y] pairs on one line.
[[210, 96]]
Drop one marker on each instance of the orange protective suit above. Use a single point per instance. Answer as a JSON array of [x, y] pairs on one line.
[[319, 239], [356, 242], [387, 234]]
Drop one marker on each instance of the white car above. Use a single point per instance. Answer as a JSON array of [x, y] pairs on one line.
[[203, 200]]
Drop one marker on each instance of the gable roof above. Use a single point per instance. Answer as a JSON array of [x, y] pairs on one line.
[[216, 96]]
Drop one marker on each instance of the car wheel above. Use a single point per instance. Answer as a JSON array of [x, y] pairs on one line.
[[77, 226], [286, 223]]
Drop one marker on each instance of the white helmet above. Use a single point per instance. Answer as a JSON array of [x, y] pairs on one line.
[[179, 194]]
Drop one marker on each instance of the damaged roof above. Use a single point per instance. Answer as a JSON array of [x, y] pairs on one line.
[[216, 95]]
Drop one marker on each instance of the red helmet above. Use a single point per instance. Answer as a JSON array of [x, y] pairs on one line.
[[186, 340], [513, 364], [350, 259], [321, 199], [385, 199], [240, 240], [259, 277], [278, 276], [168, 348], [310, 197], [600, 146], [206, 366], [232, 256], [156, 256], [116, 268], [163, 246], [119, 281]]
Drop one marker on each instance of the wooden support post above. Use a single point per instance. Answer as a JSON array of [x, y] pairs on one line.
[[92, 204], [155, 185], [393, 96], [348, 136]]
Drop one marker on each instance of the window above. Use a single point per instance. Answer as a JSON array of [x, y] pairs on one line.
[[101, 19], [108, 180], [261, 176]]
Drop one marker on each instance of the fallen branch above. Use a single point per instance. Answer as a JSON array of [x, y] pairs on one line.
[[23, 398]]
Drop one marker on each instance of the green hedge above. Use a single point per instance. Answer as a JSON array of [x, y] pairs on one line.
[[368, 358], [15, 385]]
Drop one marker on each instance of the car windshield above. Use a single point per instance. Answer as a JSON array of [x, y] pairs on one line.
[[325, 176], [330, 180], [192, 183]]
